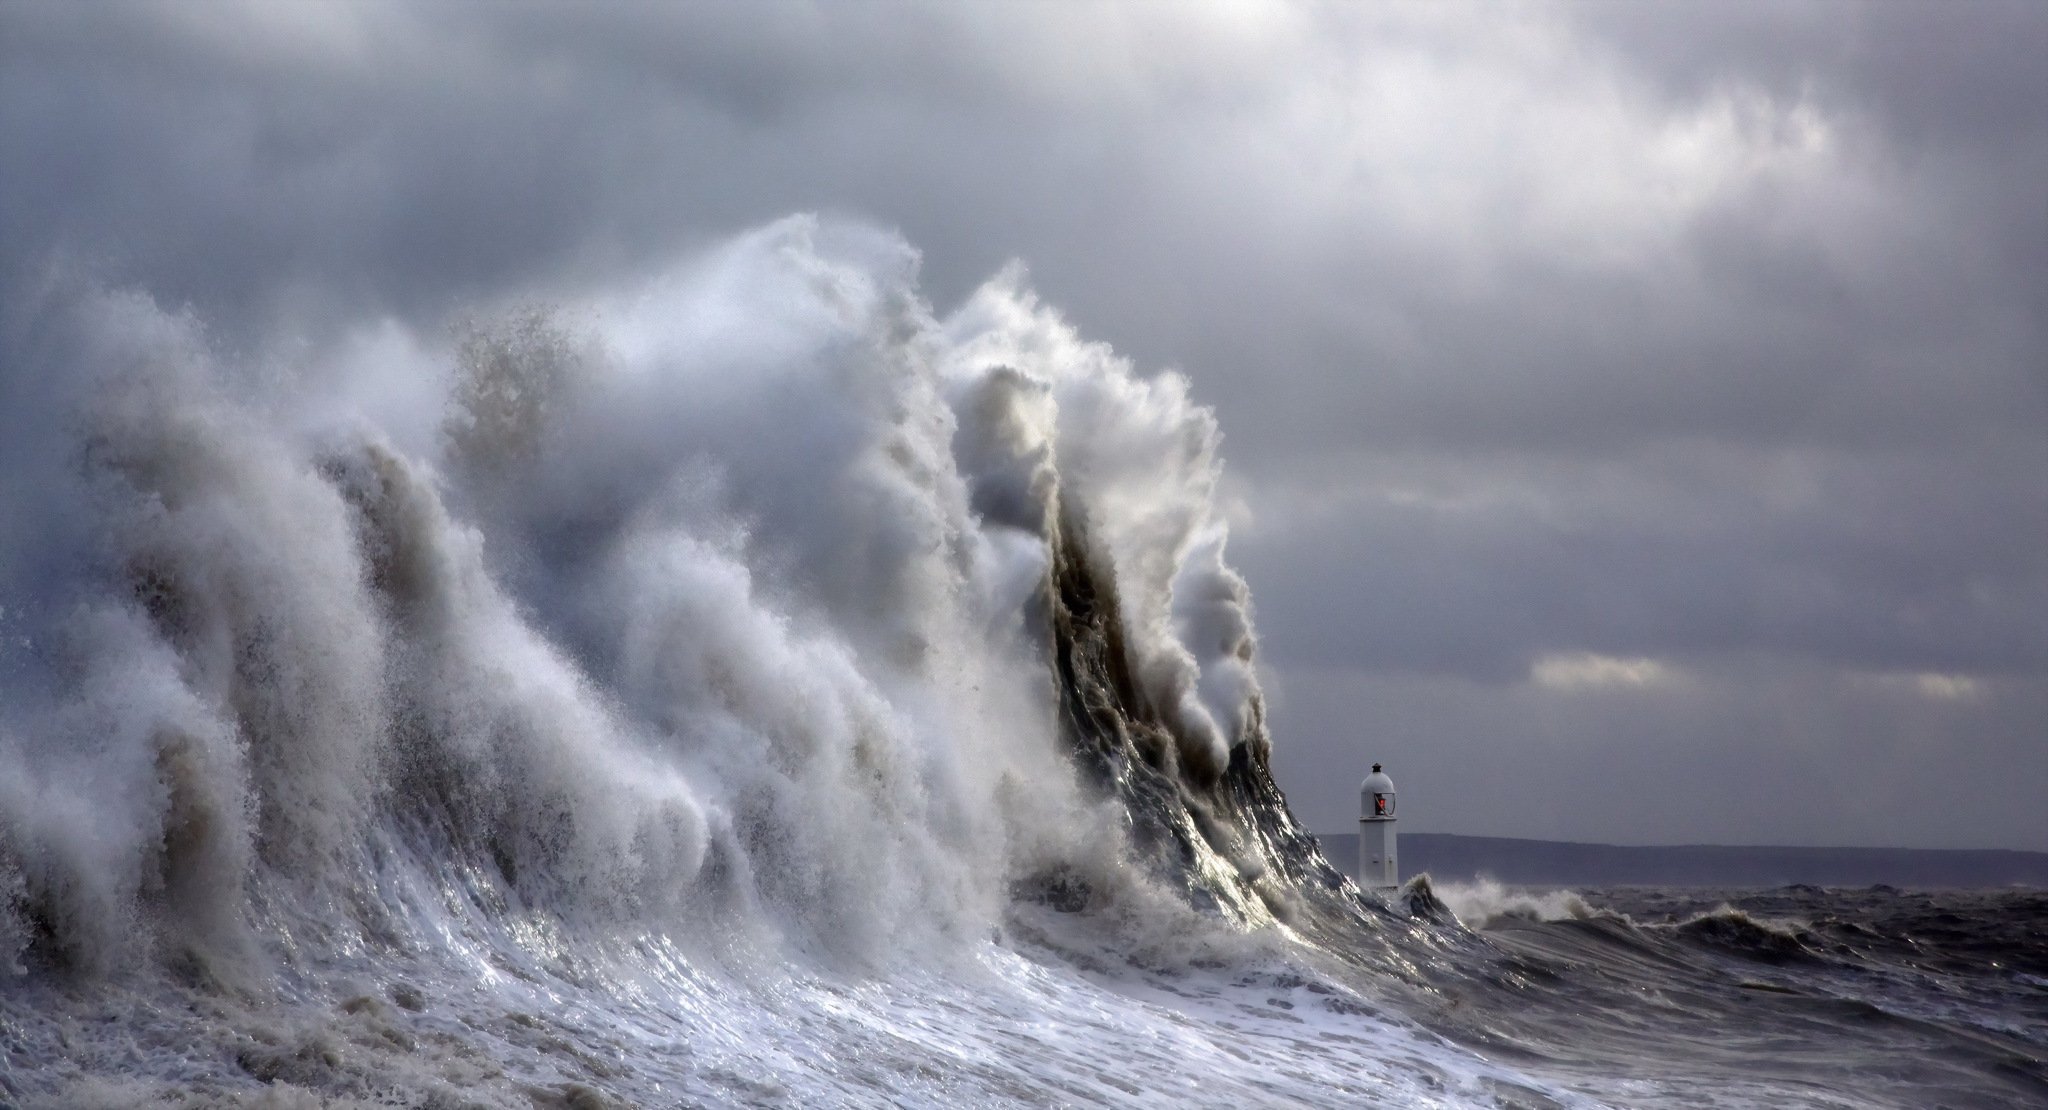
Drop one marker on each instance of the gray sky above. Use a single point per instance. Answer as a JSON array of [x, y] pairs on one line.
[[1637, 413]]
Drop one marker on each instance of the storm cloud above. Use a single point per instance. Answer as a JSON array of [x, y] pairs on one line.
[[1637, 414]]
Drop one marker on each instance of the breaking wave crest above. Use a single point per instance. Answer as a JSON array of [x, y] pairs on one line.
[[635, 653], [1486, 903], [761, 588]]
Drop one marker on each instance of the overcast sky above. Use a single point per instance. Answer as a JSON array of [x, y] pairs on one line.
[[1637, 414]]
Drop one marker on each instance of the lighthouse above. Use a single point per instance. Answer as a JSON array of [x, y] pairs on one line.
[[1377, 864]]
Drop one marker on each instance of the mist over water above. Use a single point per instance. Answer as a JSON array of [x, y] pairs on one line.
[[675, 587], [742, 687]]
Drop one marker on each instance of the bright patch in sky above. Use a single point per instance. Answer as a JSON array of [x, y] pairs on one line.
[[1587, 670]]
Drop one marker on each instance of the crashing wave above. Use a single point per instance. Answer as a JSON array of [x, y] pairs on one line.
[[765, 593]]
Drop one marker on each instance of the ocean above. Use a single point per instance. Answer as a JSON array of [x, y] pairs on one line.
[[750, 688], [1795, 995]]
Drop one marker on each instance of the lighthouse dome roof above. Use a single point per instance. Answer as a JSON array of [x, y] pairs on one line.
[[1377, 782]]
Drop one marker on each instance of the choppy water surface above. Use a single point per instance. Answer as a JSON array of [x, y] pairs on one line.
[[1863, 997], [1625, 997]]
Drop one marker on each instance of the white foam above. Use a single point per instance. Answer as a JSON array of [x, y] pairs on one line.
[[1485, 903], [730, 570]]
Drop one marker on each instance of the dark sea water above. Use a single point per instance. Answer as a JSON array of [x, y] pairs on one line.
[[1451, 857], [1873, 996]]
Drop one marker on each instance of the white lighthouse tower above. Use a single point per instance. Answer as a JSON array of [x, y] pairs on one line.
[[1377, 864]]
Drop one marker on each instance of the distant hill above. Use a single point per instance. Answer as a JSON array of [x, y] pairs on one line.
[[1560, 863]]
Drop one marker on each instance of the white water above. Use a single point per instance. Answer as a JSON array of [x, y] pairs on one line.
[[644, 699], [1485, 902]]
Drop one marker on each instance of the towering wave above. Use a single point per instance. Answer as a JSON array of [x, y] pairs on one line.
[[755, 601]]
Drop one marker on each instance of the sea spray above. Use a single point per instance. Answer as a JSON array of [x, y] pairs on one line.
[[765, 570], [1486, 902]]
